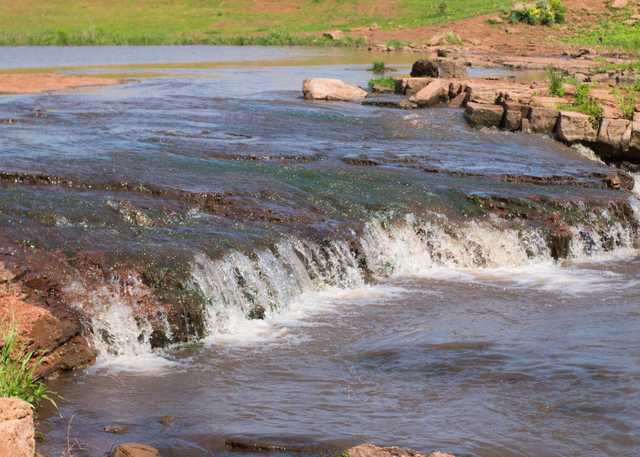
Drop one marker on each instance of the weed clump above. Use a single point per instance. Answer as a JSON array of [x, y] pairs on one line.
[[584, 103], [384, 83], [17, 370], [556, 81]]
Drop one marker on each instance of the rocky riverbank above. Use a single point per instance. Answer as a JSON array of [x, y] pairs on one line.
[[612, 131]]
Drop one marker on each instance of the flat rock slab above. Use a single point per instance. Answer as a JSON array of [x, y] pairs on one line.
[[134, 450], [371, 450], [390, 101], [331, 89]]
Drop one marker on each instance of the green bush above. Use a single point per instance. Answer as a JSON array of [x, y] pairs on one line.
[[544, 12], [17, 371], [556, 81]]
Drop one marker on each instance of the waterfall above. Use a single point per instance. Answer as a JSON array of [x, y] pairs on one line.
[[243, 286]]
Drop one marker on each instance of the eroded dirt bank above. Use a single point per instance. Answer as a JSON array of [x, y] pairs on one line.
[[30, 83]]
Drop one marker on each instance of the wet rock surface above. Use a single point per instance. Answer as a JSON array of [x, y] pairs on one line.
[[371, 450], [134, 450]]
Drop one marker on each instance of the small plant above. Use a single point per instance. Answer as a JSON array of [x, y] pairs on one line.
[[395, 43], [443, 8], [453, 38], [17, 370], [627, 105], [584, 103], [544, 12], [379, 67], [382, 83], [556, 81]]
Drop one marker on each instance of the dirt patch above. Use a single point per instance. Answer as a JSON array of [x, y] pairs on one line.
[[504, 37], [30, 83]]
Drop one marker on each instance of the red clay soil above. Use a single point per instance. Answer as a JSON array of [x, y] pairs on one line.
[[28, 83], [504, 38]]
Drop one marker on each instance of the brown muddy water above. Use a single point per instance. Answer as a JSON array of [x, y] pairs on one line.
[[399, 310]]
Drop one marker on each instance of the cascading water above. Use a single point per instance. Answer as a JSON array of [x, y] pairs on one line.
[[272, 279]]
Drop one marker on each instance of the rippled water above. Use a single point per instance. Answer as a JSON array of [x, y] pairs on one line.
[[470, 337]]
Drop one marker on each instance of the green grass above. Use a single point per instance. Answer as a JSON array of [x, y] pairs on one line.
[[254, 22], [386, 82], [556, 81], [379, 67], [611, 32], [584, 103], [17, 371]]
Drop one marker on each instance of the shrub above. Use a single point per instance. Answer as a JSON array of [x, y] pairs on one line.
[[556, 81], [17, 371], [443, 8], [544, 12]]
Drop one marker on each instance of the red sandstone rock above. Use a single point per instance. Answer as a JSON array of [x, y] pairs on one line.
[[481, 115], [435, 93], [134, 450], [371, 450], [17, 433], [576, 127], [331, 89]]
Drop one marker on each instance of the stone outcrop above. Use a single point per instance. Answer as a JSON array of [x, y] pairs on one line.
[[134, 450], [17, 433], [411, 86], [437, 69], [543, 120], [576, 128], [54, 336], [422, 68], [331, 89], [482, 115], [371, 450], [615, 134], [434, 93]]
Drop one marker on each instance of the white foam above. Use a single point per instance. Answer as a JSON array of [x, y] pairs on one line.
[[297, 279], [121, 340]]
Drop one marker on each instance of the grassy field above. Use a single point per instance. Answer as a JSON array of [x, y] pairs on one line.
[[611, 31], [102, 22]]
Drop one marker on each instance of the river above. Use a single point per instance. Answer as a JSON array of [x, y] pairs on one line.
[[411, 294]]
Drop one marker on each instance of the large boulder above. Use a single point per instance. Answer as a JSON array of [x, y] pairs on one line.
[[435, 93], [437, 69], [633, 155], [484, 115], [576, 128], [543, 120], [411, 86], [371, 450], [424, 67], [449, 69], [614, 135], [17, 433], [513, 115], [134, 450], [331, 89]]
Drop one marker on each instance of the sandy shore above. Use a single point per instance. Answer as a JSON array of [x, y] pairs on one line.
[[30, 83]]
